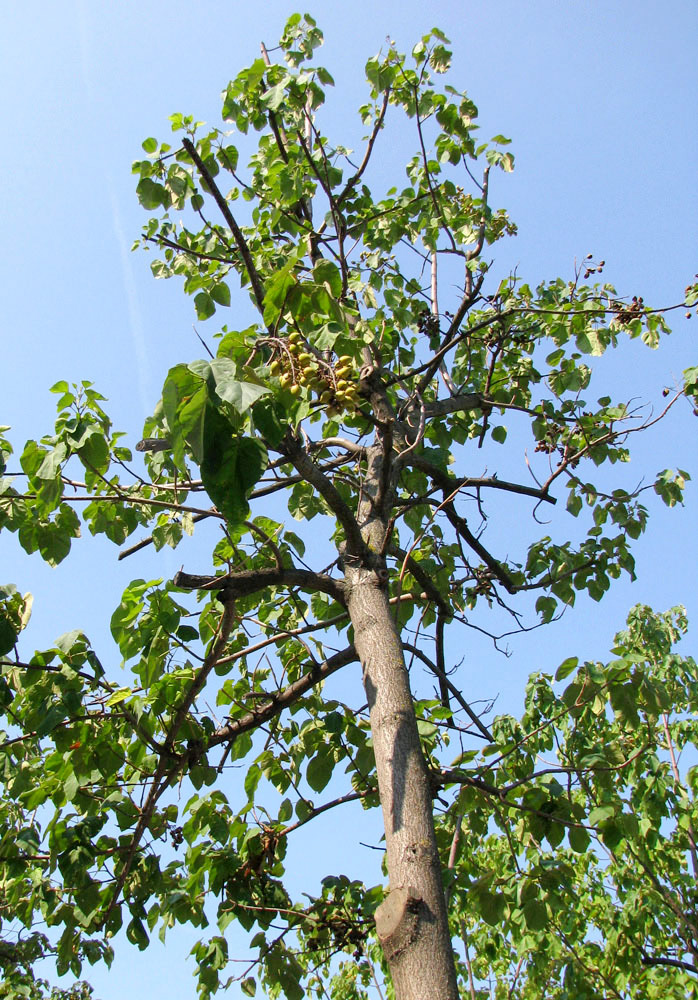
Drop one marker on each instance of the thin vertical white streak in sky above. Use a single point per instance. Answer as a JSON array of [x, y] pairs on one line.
[[140, 351], [145, 389]]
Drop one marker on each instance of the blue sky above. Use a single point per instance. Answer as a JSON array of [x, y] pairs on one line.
[[599, 99]]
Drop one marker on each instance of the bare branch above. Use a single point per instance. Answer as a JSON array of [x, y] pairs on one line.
[[441, 660], [422, 578], [349, 797], [245, 582], [125, 497], [149, 539], [261, 491], [197, 254], [461, 526], [453, 776], [477, 249], [354, 180], [458, 404], [455, 691], [449, 483]]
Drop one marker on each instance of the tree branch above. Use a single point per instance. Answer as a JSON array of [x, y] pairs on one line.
[[310, 472], [261, 491], [276, 704], [477, 249], [458, 404], [461, 526], [423, 579], [674, 962], [163, 241], [240, 241], [349, 797], [245, 582], [353, 181], [449, 483], [455, 691], [449, 776]]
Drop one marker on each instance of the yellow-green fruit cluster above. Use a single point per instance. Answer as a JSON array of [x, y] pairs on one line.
[[296, 368]]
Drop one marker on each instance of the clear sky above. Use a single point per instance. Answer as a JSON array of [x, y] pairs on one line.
[[599, 99]]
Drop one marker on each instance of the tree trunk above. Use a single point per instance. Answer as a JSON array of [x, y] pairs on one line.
[[412, 923]]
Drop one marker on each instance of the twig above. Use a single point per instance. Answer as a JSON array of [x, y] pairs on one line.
[[677, 778], [469, 964], [674, 962], [472, 715], [354, 180], [349, 797], [240, 240]]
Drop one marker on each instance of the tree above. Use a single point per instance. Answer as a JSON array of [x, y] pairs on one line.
[[355, 399], [584, 884]]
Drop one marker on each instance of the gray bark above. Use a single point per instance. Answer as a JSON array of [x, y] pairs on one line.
[[412, 923]]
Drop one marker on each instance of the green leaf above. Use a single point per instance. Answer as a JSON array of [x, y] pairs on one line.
[[491, 906], [231, 466], [276, 96], [205, 305], [579, 839], [70, 787], [185, 400], [121, 695], [220, 293], [277, 291], [137, 934], [589, 342], [601, 814], [535, 914], [249, 986], [150, 194], [426, 729], [50, 719], [8, 634], [325, 272], [240, 395], [546, 607], [319, 769], [51, 465], [566, 668]]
